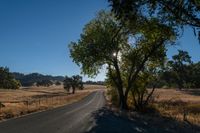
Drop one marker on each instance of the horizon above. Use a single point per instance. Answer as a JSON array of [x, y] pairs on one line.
[[34, 35]]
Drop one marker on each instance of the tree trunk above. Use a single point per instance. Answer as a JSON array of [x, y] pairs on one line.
[[123, 103], [122, 99], [180, 85], [73, 90]]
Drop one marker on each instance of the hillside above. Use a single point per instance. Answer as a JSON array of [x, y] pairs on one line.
[[30, 79]]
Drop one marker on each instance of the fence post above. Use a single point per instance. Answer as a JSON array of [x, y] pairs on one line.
[[0, 108], [39, 103], [46, 100], [27, 104], [185, 113]]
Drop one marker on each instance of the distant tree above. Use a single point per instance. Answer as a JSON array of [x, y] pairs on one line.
[[46, 83], [67, 83], [76, 83], [179, 65], [94, 82], [73, 82], [182, 74], [57, 83], [7, 80], [194, 75]]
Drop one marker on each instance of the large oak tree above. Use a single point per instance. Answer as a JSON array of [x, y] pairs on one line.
[[124, 52]]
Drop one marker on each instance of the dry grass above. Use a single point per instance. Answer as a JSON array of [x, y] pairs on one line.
[[184, 95], [23, 101], [180, 105]]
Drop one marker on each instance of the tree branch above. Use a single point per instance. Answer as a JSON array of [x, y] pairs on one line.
[[134, 76]]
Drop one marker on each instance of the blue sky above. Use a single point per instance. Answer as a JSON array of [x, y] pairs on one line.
[[34, 34]]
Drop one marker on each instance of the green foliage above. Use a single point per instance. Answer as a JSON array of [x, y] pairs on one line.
[[67, 83], [181, 72], [176, 13], [179, 66], [7, 80], [97, 43], [95, 82], [106, 42]]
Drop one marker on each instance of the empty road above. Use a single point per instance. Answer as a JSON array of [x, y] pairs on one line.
[[73, 118]]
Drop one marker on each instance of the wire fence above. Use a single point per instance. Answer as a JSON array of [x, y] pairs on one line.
[[13, 108]]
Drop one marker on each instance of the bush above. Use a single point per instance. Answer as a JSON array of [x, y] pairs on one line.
[[7, 80], [112, 92], [46, 83], [1, 105], [57, 83]]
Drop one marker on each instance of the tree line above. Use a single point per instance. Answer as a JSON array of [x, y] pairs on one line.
[[8, 80], [180, 72], [13, 80]]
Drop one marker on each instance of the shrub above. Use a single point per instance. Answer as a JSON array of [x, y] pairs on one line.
[[112, 92], [7, 80]]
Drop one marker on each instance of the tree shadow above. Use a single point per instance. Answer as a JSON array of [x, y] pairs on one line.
[[107, 121]]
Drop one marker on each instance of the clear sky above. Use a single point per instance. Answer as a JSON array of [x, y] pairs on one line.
[[34, 34]]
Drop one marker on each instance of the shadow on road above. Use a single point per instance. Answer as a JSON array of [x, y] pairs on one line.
[[109, 122]]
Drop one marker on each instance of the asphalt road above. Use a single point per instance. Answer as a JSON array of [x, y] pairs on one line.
[[73, 118]]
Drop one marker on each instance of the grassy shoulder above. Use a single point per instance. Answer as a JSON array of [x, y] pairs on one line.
[[16, 103], [172, 110]]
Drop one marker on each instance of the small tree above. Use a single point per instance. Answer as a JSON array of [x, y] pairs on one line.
[[67, 83], [76, 83], [73, 82], [57, 83], [46, 83], [7, 80]]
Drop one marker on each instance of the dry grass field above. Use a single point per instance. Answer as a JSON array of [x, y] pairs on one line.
[[181, 105], [19, 102]]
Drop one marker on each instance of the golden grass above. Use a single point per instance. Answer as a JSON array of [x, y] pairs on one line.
[[179, 105], [23, 101], [174, 94]]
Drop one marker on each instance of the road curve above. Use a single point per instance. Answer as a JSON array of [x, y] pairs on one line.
[[73, 118]]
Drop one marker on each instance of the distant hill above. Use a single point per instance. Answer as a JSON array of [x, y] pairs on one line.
[[30, 79]]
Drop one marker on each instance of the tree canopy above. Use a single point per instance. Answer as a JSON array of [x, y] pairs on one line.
[[124, 52], [176, 13]]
